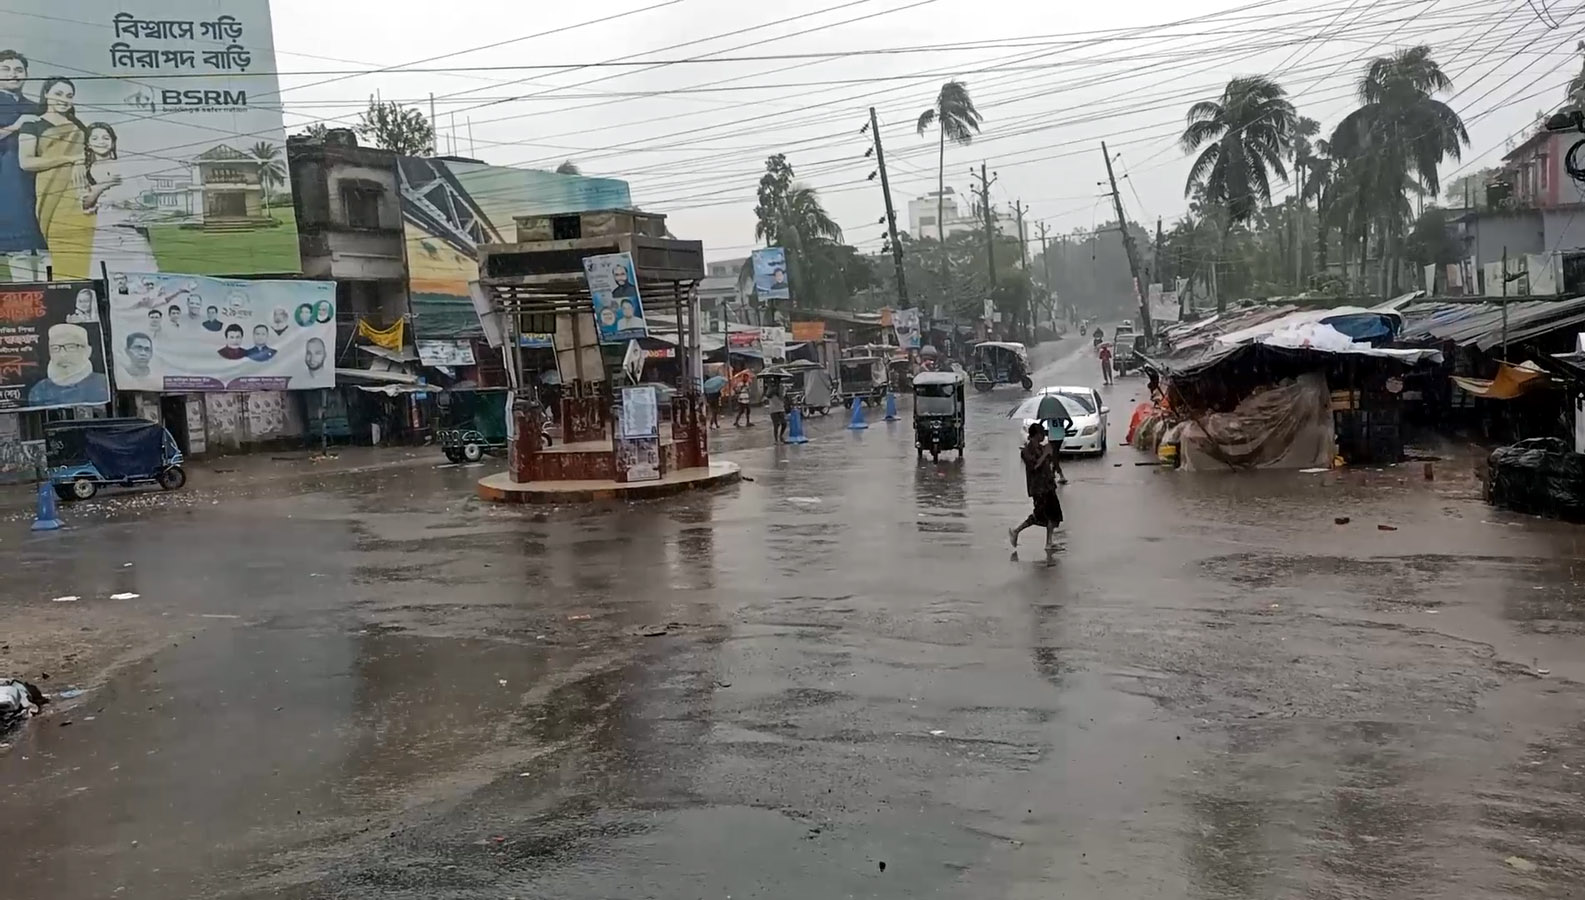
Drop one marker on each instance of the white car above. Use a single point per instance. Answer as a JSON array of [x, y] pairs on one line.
[[1084, 407]]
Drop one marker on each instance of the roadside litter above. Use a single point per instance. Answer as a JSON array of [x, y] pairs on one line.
[[19, 700]]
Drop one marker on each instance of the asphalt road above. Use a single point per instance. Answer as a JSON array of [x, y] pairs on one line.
[[829, 681]]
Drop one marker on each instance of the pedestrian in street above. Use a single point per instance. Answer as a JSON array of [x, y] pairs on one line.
[[742, 394], [1042, 474], [713, 401], [1106, 363], [778, 412]]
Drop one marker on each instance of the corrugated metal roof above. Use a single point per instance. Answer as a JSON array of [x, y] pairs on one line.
[[1480, 324]]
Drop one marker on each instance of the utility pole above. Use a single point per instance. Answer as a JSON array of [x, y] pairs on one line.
[[891, 214], [1045, 266], [986, 180], [1023, 256], [1128, 248]]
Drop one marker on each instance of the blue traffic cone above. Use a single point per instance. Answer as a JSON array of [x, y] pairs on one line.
[[795, 427], [891, 407], [47, 519], [857, 423]]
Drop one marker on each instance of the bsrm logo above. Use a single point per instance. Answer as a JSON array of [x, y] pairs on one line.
[[203, 98]]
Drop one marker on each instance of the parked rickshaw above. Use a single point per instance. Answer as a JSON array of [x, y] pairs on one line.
[[863, 379], [901, 371], [939, 404], [476, 426], [1000, 362], [86, 454], [808, 385], [1128, 354]]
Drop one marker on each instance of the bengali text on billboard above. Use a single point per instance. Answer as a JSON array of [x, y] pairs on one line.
[[188, 333], [142, 139], [51, 347]]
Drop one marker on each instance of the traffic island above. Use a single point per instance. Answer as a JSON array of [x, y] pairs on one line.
[[500, 488]]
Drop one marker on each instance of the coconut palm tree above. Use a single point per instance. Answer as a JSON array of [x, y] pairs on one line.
[[272, 169], [1245, 135], [1392, 145], [954, 116], [791, 216]]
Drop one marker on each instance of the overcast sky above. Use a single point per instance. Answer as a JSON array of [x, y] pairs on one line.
[[1052, 80]]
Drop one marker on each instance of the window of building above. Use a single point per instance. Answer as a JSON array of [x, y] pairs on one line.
[[362, 205], [926, 221], [1541, 164]]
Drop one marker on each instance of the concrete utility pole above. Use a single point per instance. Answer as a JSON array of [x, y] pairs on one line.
[[1128, 248], [1045, 266], [986, 180], [891, 214]]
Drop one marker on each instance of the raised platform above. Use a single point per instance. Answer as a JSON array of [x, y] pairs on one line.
[[500, 488]]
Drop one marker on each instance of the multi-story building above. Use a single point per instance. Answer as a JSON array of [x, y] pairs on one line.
[[922, 213]]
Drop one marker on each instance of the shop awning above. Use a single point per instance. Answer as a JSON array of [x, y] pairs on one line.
[[375, 377], [1511, 381]]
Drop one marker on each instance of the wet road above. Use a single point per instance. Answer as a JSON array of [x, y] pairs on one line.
[[831, 681]]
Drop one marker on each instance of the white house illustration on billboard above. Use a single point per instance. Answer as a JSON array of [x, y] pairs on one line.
[[230, 189]]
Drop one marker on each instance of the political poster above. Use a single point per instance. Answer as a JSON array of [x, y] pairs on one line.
[[52, 351], [613, 288], [905, 324], [189, 333], [770, 274], [147, 137]]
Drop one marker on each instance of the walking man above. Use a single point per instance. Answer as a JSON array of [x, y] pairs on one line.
[[778, 412], [1106, 363], [1042, 474], [742, 394]]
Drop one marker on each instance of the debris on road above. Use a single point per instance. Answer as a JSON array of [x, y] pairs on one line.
[[71, 693], [1386, 528], [125, 596], [1520, 863], [19, 700], [1342, 520], [69, 598], [580, 617]]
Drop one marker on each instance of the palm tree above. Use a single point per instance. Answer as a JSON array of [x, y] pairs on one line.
[[272, 170], [790, 215], [1392, 145], [1245, 134], [954, 116]]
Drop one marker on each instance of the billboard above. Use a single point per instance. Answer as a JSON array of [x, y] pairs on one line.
[[147, 141], [188, 333], [613, 289], [770, 274], [52, 351], [451, 206], [905, 323]]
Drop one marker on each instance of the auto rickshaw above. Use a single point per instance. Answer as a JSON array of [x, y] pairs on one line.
[[901, 370], [807, 384], [476, 426], [84, 455], [1000, 362], [863, 379], [938, 413]]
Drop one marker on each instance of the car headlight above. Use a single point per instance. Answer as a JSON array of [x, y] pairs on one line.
[[1088, 430]]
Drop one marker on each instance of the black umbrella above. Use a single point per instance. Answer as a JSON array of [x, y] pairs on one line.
[[1051, 409]]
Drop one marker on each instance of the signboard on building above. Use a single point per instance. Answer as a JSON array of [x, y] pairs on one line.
[[773, 342], [809, 331], [450, 207], [448, 353], [52, 351], [189, 333], [613, 289], [172, 116], [770, 274]]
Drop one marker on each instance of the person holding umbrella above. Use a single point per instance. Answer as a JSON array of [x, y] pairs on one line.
[[713, 386], [1042, 474]]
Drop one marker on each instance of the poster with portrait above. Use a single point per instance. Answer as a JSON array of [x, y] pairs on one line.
[[905, 324], [770, 274], [143, 137], [613, 288], [52, 351], [189, 333]]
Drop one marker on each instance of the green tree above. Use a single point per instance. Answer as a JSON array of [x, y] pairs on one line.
[[952, 115], [1391, 146], [1470, 189], [398, 128], [790, 215], [568, 167], [316, 131], [272, 168], [1245, 136]]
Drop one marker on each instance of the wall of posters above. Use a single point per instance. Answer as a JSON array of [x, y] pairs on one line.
[[770, 274], [450, 207], [168, 112], [52, 351], [188, 333], [613, 288]]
